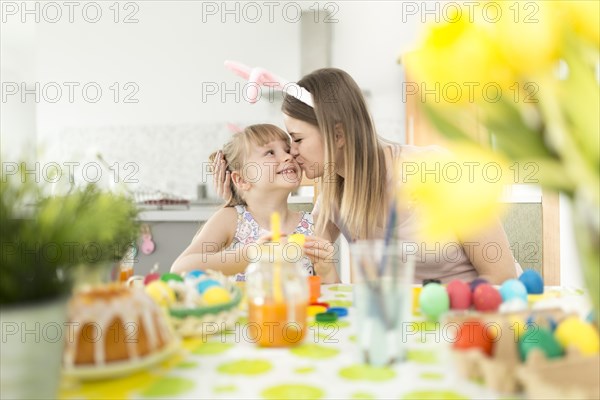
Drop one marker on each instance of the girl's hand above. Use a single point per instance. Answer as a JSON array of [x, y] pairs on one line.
[[221, 177], [321, 252]]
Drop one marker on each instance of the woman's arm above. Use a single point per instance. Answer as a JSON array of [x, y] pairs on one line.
[[206, 249], [490, 254]]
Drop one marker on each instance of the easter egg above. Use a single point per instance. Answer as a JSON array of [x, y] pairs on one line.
[[194, 274], [161, 293], [459, 293], [473, 334], [486, 298], [151, 277], [205, 284], [573, 332], [513, 289], [192, 277], [533, 281], [476, 282], [517, 326], [434, 301], [171, 277], [539, 338], [215, 295]]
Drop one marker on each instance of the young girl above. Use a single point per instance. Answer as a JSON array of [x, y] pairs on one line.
[[333, 138], [262, 175]]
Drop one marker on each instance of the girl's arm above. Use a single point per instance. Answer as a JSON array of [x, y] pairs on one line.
[[206, 249], [490, 254]]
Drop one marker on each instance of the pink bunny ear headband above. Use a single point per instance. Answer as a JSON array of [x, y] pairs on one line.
[[261, 77]]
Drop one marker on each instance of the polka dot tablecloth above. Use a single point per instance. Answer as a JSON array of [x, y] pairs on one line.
[[325, 366]]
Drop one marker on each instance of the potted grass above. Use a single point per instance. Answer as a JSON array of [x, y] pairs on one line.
[[47, 243]]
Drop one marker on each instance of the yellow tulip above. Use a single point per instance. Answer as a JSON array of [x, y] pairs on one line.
[[461, 53], [582, 17], [526, 34], [454, 192]]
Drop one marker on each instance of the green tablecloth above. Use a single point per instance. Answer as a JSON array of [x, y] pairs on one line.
[[325, 366]]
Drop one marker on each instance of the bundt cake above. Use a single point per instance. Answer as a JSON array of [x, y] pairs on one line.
[[113, 323]]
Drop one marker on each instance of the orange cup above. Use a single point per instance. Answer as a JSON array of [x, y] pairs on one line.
[[270, 324], [314, 285]]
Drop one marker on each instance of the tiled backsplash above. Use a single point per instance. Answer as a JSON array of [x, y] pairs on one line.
[[169, 158]]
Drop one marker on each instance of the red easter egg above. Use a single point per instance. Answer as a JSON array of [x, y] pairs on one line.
[[486, 298], [151, 277], [459, 293], [473, 334]]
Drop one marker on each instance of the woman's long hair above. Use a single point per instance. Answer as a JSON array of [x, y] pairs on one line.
[[358, 200]]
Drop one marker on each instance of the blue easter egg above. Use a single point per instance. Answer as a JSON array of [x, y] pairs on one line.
[[533, 281], [195, 274], [513, 288], [205, 284]]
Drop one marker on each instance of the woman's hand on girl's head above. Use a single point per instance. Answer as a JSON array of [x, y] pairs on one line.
[[221, 177]]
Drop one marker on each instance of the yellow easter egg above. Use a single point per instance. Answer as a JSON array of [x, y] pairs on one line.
[[161, 293], [216, 295], [517, 326], [573, 332]]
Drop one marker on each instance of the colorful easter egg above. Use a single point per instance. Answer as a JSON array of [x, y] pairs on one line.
[[533, 281], [486, 298], [476, 282], [473, 334], [151, 277], [216, 295], [513, 289], [539, 338], [460, 295], [434, 301], [161, 293], [206, 284], [171, 277], [573, 332], [517, 325], [196, 274]]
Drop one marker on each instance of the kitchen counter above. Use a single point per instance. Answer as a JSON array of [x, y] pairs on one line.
[[197, 211]]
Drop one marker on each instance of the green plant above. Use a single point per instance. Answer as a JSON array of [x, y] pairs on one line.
[[44, 239]]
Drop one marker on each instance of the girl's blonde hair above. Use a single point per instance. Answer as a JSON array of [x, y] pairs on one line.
[[236, 151], [358, 200]]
